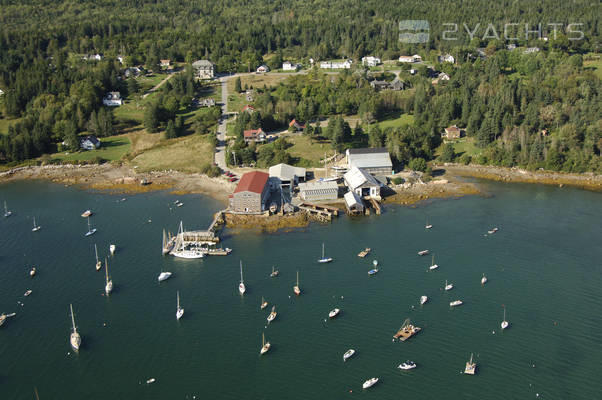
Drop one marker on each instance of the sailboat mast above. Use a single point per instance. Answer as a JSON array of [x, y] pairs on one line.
[[178, 293], [96, 252], [88, 224], [322, 250], [241, 281], [107, 270], [72, 318], [297, 278]]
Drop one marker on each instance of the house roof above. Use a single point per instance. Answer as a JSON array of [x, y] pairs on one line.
[[319, 185], [296, 123], [357, 177], [252, 182], [92, 139], [202, 64], [252, 132], [286, 172], [369, 158], [452, 128], [248, 107], [352, 199]]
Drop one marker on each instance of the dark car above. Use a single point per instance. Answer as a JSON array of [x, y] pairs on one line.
[[233, 179]]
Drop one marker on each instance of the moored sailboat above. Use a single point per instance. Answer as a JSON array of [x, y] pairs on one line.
[[98, 262], [75, 339], [324, 259], [423, 299], [433, 265], [456, 303], [369, 383], [241, 285], [406, 331], [179, 310], [163, 276], [471, 367], [265, 346], [448, 286], [483, 280], [275, 272], [348, 354], [272, 315], [264, 303], [296, 288], [168, 243], [35, 226], [91, 230], [427, 226], [334, 313], [109, 284], [6, 212], [504, 323]]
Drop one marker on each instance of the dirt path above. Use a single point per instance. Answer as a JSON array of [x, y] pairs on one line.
[[158, 85]]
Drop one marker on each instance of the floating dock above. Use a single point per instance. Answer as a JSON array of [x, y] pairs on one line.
[[364, 252]]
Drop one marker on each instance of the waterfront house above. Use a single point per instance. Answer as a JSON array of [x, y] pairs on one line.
[[319, 191], [289, 66], [251, 193], [370, 61], [203, 69], [354, 203], [112, 99], [90, 142], [452, 132], [254, 135], [296, 125], [262, 69], [287, 174], [373, 160], [362, 183]]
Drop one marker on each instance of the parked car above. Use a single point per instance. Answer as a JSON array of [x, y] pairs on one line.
[[233, 179]]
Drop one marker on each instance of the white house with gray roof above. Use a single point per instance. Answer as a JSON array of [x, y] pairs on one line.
[[203, 69], [319, 191], [375, 161], [288, 174], [362, 183]]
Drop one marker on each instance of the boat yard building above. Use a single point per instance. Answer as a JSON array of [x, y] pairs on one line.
[[354, 203], [319, 191], [288, 174], [375, 161], [362, 183], [251, 193]]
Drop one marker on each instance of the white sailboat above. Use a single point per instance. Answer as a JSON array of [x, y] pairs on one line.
[[272, 315], [264, 303], [112, 248], [179, 310], [265, 346], [6, 212], [168, 243], [455, 303], [471, 367], [348, 354], [98, 262], [423, 299], [109, 284], [324, 259], [275, 272], [180, 250], [334, 313], [483, 280], [433, 265], [35, 226], [296, 288], [91, 231], [241, 285], [504, 323], [448, 286], [427, 226], [163, 276], [75, 338], [369, 383]]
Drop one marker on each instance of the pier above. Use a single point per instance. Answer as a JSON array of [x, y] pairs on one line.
[[321, 212]]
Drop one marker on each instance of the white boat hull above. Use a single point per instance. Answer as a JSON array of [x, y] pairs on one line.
[[504, 324], [179, 313], [75, 340], [241, 288], [423, 300], [370, 383], [324, 260], [349, 353], [432, 267], [109, 287], [163, 276], [334, 313], [189, 254], [112, 249]]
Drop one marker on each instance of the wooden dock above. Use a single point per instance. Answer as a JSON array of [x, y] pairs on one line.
[[364, 252], [323, 213], [376, 206]]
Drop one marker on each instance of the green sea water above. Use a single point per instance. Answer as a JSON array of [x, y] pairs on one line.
[[544, 266]]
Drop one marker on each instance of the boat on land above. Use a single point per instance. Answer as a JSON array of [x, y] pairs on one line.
[[27, 293], [112, 248], [179, 310], [455, 303], [264, 303], [448, 286], [504, 323], [273, 314], [241, 285], [369, 383], [407, 365], [406, 331], [348, 353], [324, 259], [98, 262], [163, 276], [492, 231], [265, 346], [296, 288], [91, 231], [364, 252], [109, 285], [373, 271], [35, 226], [427, 226], [423, 299], [75, 339], [32, 272], [334, 313], [86, 213], [168, 242], [6, 212], [275, 272], [433, 265], [471, 367], [423, 252]]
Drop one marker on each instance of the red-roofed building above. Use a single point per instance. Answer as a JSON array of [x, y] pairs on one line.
[[298, 126], [252, 193], [254, 135], [248, 109]]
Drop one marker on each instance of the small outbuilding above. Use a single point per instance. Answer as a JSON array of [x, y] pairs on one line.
[[90, 142], [319, 191], [287, 174], [354, 203]]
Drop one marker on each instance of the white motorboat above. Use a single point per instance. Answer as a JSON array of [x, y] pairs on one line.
[[334, 313], [471, 367], [428, 226], [483, 280], [86, 213], [407, 365], [151, 380], [241, 285], [264, 303], [163, 276], [369, 383], [6, 212], [348, 354], [448, 286], [27, 293], [324, 259], [433, 265], [109, 284], [455, 303], [423, 299], [75, 338], [492, 231], [265, 346], [504, 323], [98, 262], [423, 252], [179, 310], [296, 288], [32, 272], [274, 273], [273, 314], [112, 248], [35, 226], [91, 231], [373, 271]]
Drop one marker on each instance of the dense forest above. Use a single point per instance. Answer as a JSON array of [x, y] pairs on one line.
[[538, 110]]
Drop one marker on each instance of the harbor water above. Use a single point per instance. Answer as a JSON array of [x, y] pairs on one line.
[[543, 265]]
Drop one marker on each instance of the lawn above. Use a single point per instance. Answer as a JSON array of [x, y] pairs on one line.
[[186, 154], [395, 120], [462, 146], [112, 148], [307, 149], [594, 65]]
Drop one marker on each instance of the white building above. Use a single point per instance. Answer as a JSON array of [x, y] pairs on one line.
[[362, 183], [410, 59], [373, 160], [370, 61], [287, 173], [447, 58], [289, 66], [346, 64], [112, 99], [354, 203], [1, 92], [263, 69], [318, 191], [203, 69]]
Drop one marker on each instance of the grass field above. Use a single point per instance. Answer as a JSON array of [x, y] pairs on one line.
[[396, 120], [310, 150], [462, 146], [112, 148], [594, 65], [186, 154]]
